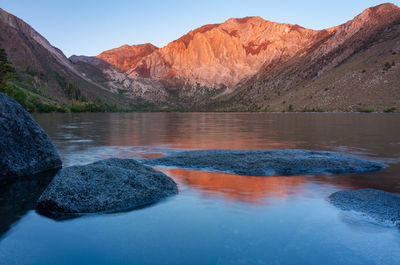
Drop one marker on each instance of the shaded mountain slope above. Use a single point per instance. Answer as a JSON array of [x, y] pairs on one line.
[[44, 70]]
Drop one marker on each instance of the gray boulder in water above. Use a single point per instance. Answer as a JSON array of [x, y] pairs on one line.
[[25, 149], [267, 162], [380, 205], [111, 185]]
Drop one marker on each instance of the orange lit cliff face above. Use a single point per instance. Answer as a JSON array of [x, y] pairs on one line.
[[126, 57], [215, 54], [261, 60], [224, 54]]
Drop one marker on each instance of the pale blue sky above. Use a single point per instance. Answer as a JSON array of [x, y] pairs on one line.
[[88, 27]]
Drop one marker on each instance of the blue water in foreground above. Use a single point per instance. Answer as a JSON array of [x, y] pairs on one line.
[[219, 218]]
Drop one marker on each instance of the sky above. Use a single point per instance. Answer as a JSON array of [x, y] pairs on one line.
[[88, 27]]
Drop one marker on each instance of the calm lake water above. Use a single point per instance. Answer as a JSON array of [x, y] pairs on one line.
[[217, 218]]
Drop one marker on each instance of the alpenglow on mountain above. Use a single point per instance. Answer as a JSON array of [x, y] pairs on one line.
[[241, 64]]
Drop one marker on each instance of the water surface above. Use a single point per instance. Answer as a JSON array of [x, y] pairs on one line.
[[217, 218]]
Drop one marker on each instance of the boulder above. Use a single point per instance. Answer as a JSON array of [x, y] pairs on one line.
[[380, 205], [267, 162], [106, 186], [25, 149]]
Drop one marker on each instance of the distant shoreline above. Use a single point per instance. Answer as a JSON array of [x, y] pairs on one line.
[[236, 111]]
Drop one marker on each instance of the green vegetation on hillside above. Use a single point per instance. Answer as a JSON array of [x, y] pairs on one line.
[[14, 84], [7, 71], [365, 110], [70, 89], [30, 102]]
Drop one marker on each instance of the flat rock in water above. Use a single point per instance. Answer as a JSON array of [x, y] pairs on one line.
[[380, 205], [110, 185], [267, 162], [25, 149]]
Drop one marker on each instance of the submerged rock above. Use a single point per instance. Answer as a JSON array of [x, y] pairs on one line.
[[111, 185], [25, 149], [267, 162], [380, 205]]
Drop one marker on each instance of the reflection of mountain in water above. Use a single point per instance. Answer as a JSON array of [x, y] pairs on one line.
[[248, 189], [20, 196], [257, 190]]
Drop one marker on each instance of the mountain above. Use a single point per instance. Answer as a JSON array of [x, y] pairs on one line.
[[353, 67], [195, 69], [224, 54], [44, 70], [241, 64], [126, 57], [255, 64], [142, 91]]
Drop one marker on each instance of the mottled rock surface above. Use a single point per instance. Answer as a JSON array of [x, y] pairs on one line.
[[380, 205], [267, 162], [25, 149], [111, 185]]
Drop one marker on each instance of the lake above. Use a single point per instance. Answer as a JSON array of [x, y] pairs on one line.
[[217, 218]]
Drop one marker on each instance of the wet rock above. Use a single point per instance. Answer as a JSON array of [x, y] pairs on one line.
[[111, 185], [267, 162], [25, 149], [380, 205]]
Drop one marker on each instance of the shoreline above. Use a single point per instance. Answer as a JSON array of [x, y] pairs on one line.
[[235, 111]]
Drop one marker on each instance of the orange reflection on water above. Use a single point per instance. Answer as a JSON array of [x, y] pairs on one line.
[[248, 189], [257, 190], [148, 155]]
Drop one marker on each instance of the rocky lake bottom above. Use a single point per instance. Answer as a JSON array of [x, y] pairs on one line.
[[217, 217]]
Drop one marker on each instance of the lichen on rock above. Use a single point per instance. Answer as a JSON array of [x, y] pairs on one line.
[[105, 186], [267, 162], [380, 205]]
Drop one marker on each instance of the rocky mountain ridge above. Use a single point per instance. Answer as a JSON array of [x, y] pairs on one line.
[[241, 64], [44, 71], [126, 57], [351, 68]]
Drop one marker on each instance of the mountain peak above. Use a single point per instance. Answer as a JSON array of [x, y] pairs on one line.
[[385, 7], [127, 56], [381, 12], [4, 14], [224, 54], [245, 20], [10, 19]]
